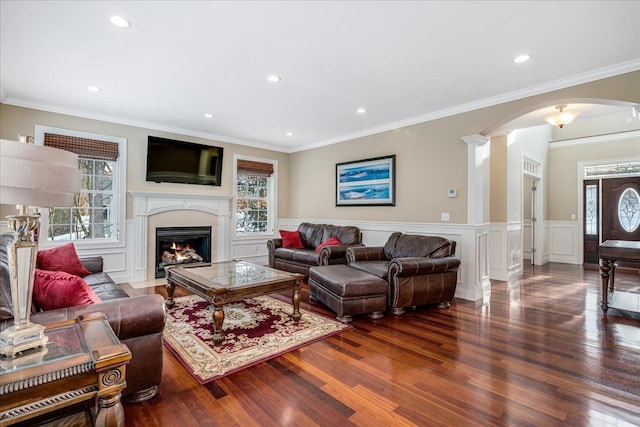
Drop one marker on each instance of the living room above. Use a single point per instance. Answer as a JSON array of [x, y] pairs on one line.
[[469, 147]]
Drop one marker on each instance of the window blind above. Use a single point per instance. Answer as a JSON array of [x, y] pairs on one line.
[[83, 147], [249, 167]]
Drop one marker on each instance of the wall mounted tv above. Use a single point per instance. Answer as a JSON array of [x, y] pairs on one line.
[[169, 160]]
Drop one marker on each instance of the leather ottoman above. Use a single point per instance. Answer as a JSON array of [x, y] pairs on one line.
[[348, 291]]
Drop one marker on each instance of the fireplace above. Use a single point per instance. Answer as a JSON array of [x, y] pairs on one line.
[[181, 245]]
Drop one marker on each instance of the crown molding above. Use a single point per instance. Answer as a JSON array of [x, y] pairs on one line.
[[577, 79], [601, 73], [20, 102]]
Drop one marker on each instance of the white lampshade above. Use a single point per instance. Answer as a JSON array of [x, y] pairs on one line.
[[36, 175], [562, 117]]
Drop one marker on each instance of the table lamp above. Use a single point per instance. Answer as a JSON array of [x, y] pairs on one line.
[[38, 176]]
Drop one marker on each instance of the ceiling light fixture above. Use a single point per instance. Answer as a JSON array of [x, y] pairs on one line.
[[274, 78], [521, 58], [94, 88], [289, 133], [208, 115], [119, 21], [562, 117], [361, 110]]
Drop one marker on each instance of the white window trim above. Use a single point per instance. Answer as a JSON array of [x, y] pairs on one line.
[[272, 199], [120, 183]]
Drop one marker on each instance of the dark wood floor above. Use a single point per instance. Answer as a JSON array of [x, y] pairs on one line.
[[539, 353]]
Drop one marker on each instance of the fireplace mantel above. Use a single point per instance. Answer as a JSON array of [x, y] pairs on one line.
[[146, 204]]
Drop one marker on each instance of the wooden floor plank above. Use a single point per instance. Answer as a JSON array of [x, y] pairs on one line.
[[537, 352]]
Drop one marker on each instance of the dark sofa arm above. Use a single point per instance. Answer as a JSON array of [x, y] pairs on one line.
[[272, 245], [365, 253], [335, 252], [418, 266], [128, 317], [93, 263]]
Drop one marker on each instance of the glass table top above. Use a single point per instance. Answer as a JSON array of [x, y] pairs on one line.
[[64, 342], [234, 274]]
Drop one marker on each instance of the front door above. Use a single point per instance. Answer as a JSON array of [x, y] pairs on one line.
[[621, 210]]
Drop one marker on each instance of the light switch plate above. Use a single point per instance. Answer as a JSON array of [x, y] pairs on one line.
[[452, 193], [444, 216]]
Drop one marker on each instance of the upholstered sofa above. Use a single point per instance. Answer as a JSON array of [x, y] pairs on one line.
[[299, 260], [137, 321], [420, 270]]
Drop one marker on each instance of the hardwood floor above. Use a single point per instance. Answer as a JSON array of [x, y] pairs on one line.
[[539, 353]]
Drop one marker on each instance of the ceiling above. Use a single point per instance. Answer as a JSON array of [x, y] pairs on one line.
[[405, 62]]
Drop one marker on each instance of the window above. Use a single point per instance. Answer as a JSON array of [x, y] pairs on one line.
[[255, 198], [629, 210], [591, 209], [97, 211]]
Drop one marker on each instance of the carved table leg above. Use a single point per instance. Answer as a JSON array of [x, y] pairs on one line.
[[218, 319], [605, 267], [296, 301], [171, 287], [110, 411]]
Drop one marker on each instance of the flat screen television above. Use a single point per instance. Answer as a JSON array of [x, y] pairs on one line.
[[169, 160]]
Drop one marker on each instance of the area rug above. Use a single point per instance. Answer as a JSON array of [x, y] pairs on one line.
[[255, 330]]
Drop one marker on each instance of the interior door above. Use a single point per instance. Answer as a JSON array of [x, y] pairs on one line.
[[621, 210]]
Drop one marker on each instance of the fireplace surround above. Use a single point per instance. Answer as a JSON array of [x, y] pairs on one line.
[[155, 209]]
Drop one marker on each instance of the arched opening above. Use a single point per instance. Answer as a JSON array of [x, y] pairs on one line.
[[607, 131]]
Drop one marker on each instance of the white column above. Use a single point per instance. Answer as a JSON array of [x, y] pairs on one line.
[[476, 266]]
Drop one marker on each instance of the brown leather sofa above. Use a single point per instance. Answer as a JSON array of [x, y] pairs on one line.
[[420, 270], [311, 236], [137, 321]]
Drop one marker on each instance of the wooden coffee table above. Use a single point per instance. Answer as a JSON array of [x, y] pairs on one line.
[[231, 281]]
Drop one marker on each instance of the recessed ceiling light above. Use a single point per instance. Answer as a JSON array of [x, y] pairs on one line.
[[289, 133], [208, 115], [119, 21], [274, 78], [93, 88], [521, 58], [361, 110]]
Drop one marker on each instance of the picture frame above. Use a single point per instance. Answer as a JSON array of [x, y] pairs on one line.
[[368, 182]]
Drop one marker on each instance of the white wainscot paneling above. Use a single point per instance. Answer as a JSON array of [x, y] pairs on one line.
[[505, 255], [253, 250], [564, 242]]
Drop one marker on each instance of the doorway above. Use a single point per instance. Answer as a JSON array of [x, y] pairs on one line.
[[611, 211]]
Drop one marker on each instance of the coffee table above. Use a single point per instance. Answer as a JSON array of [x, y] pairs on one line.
[[231, 281]]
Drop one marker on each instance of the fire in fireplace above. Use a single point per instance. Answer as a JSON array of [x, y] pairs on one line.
[[181, 245]]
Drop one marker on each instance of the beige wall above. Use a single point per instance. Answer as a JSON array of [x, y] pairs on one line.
[[18, 120], [498, 196], [563, 171], [431, 158]]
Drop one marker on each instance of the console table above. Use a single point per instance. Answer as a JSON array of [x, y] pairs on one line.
[[610, 252], [83, 364]]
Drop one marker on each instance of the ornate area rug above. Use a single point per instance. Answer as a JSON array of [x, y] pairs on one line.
[[256, 329]]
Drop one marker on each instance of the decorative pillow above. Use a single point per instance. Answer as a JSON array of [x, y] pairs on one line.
[[63, 258], [291, 239], [330, 241], [57, 289]]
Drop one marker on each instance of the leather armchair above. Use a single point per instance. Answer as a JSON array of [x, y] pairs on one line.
[[420, 270]]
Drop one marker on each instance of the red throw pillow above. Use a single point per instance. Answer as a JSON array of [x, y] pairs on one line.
[[63, 258], [57, 289], [328, 242], [291, 239]]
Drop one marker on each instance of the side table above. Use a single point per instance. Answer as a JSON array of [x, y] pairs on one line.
[[83, 362], [611, 251]]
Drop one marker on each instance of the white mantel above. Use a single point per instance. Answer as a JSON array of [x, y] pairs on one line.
[[146, 203]]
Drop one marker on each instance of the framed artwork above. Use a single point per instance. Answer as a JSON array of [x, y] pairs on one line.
[[369, 182]]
